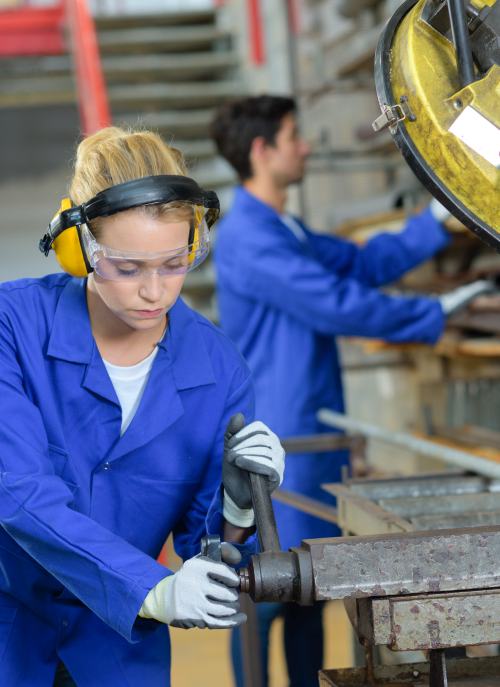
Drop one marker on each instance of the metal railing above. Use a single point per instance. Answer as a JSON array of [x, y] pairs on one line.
[[91, 87]]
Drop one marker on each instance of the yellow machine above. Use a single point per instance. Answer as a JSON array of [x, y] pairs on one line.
[[437, 74]]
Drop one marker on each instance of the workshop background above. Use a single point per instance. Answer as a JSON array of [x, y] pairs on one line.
[[168, 65]]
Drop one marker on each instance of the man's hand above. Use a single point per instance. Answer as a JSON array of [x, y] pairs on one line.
[[203, 594], [252, 448], [459, 298]]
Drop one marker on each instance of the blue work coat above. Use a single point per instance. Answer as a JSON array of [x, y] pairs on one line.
[[84, 512], [283, 300]]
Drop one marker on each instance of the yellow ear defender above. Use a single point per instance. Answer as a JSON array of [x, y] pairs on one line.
[[68, 247]]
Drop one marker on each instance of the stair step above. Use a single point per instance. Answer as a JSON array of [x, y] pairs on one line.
[[113, 23], [182, 123], [40, 91], [29, 67], [174, 96], [159, 39], [168, 67]]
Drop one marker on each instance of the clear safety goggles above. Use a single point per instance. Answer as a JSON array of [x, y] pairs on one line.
[[116, 265]]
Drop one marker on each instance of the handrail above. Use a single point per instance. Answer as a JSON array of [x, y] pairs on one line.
[[91, 87]]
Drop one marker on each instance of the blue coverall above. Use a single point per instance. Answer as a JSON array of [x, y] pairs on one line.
[[85, 512], [283, 300]]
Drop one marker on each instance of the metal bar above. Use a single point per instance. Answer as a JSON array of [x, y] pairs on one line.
[[422, 485], [319, 443], [447, 522], [444, 505], [250, 645], [307, 505], [265, 521], [437, 669], [461, 39], [412, 563], [92, 94], [423, 446]]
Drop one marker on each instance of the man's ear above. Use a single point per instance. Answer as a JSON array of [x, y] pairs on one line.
[[258, 149]]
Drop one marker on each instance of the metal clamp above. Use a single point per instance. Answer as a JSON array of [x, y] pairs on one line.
[[393, 114]]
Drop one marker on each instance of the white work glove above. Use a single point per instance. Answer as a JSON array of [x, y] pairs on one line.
[[439, 211], [459, 298], [251, 448], [203, 594]]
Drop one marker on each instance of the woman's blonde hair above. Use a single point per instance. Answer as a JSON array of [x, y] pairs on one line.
[[114, 155]]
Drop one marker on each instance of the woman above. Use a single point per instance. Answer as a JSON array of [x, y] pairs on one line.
[[115, 397]]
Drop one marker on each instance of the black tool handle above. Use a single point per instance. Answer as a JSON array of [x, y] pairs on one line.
[[264, 513]]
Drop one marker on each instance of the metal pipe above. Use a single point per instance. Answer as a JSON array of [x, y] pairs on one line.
[[460, 33], [428, 448], [264, 514]]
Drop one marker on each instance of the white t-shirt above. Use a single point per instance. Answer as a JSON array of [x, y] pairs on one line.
[[129, 383], [294, 227]]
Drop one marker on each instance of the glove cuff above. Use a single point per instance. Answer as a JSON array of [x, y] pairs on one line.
[[240, 517], [152, 605]]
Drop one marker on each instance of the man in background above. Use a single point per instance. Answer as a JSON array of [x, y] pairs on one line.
[[284, 294]]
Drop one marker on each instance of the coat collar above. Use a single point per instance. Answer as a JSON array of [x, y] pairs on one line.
[[256, 208], [71, 338], [183, 362]]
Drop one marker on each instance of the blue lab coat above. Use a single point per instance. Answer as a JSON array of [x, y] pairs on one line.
[[85, 512], [282, 300]]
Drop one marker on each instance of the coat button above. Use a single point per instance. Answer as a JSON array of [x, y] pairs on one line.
[[65, 622], [106, 466]]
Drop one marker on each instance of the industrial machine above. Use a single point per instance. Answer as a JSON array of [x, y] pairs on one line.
[[437, 75], [422, 571]]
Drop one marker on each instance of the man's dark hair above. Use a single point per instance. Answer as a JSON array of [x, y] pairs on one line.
[[238, 122]]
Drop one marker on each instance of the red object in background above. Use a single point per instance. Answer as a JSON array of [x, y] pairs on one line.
[[256, 30], [294, 16], [92, 94], [32, 31], [40, 31]]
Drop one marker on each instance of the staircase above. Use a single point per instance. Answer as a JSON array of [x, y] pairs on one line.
[[167, 72]]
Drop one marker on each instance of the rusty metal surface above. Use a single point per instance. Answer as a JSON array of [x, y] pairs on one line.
[[478, 672], [445, 522], [423, 485], [445, 504], [391, 564], [430, 502], [436, 621]]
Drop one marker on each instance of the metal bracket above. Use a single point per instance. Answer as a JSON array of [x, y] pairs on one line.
[[392, 115]]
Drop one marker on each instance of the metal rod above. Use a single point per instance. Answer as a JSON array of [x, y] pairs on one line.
[[264, 514], [460, 33], [307, 505], [423, 446], [437, 669]]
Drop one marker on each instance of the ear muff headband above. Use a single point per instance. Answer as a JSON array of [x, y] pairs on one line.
[[63, 232]]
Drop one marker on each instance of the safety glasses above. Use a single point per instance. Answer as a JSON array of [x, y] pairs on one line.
[[116, 265]]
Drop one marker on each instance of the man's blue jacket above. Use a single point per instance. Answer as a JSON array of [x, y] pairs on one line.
[[283, 300], [84, 511]]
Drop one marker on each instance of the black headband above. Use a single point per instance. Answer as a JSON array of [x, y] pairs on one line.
[[152, 190]]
